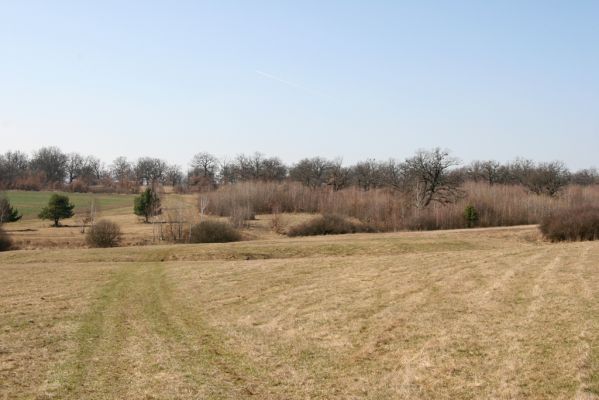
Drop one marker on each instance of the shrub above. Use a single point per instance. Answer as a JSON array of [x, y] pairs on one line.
[[571, 224], [328, 224], [214, 232], [5, 242], [422, 221], [104, 233]]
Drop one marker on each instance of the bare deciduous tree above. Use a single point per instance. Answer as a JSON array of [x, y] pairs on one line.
[[74, 165], [51, 162], [13, 165], [311, 172], [428, 174], [122, 171], [339, 176], [394, 175], [366, 174], [173, 175], [149, 170], [548, 178], [204, 165], [487, 171]]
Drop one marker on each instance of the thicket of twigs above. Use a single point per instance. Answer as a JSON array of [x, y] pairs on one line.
[[388, 210], [104, 233], [214, 232], [329, 224], [572, 224]]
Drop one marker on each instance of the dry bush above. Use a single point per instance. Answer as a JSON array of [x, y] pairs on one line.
[[571, 224], [175, 231], [240, 215], [214, 232], [498, 205], [379, 207], [5, 241], [261, 197], [33, 182], [276, 222], [104, 233], [79, 186], [329, 224], [177, 226]]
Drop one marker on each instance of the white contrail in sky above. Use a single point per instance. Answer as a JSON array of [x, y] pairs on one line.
[[286, 82]]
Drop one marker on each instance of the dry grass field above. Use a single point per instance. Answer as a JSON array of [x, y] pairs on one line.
[[493, 313]]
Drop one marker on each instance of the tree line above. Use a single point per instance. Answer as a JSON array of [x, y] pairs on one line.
[[434, 173]]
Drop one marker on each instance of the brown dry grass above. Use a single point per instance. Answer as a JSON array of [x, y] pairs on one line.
[[492, 313]]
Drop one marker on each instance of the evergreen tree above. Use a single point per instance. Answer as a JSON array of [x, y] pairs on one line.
[[147, 204], [59, 207], [7, 212]]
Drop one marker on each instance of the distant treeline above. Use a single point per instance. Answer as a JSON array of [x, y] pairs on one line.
[[433, 172]]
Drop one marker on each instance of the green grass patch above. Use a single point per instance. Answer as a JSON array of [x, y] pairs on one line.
[[30, 203]]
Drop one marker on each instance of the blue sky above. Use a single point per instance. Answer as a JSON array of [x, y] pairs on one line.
[[488, 80]]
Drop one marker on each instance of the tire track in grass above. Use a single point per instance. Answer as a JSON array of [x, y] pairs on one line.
[[588, 358], [138, 341], [211, 367], [97, 339], [516, 355]]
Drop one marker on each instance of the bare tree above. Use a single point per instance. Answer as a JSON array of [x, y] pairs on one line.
[[204, 165], [394, 175], [13, 165], [428, 173], [339, 176], [273, 169], [74, 165], [95, 166], [487, 171], [122, 171], [173, 175], [548, 178], [589, 176], [366, 174], [149, 170], [311, 172], [51, 162]]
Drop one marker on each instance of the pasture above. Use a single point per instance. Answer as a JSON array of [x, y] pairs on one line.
[[30, 203], [489, 313], [32, 233]]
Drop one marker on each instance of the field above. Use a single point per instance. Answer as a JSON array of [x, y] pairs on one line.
[[494, 313], [30, 203], [31, 233]]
